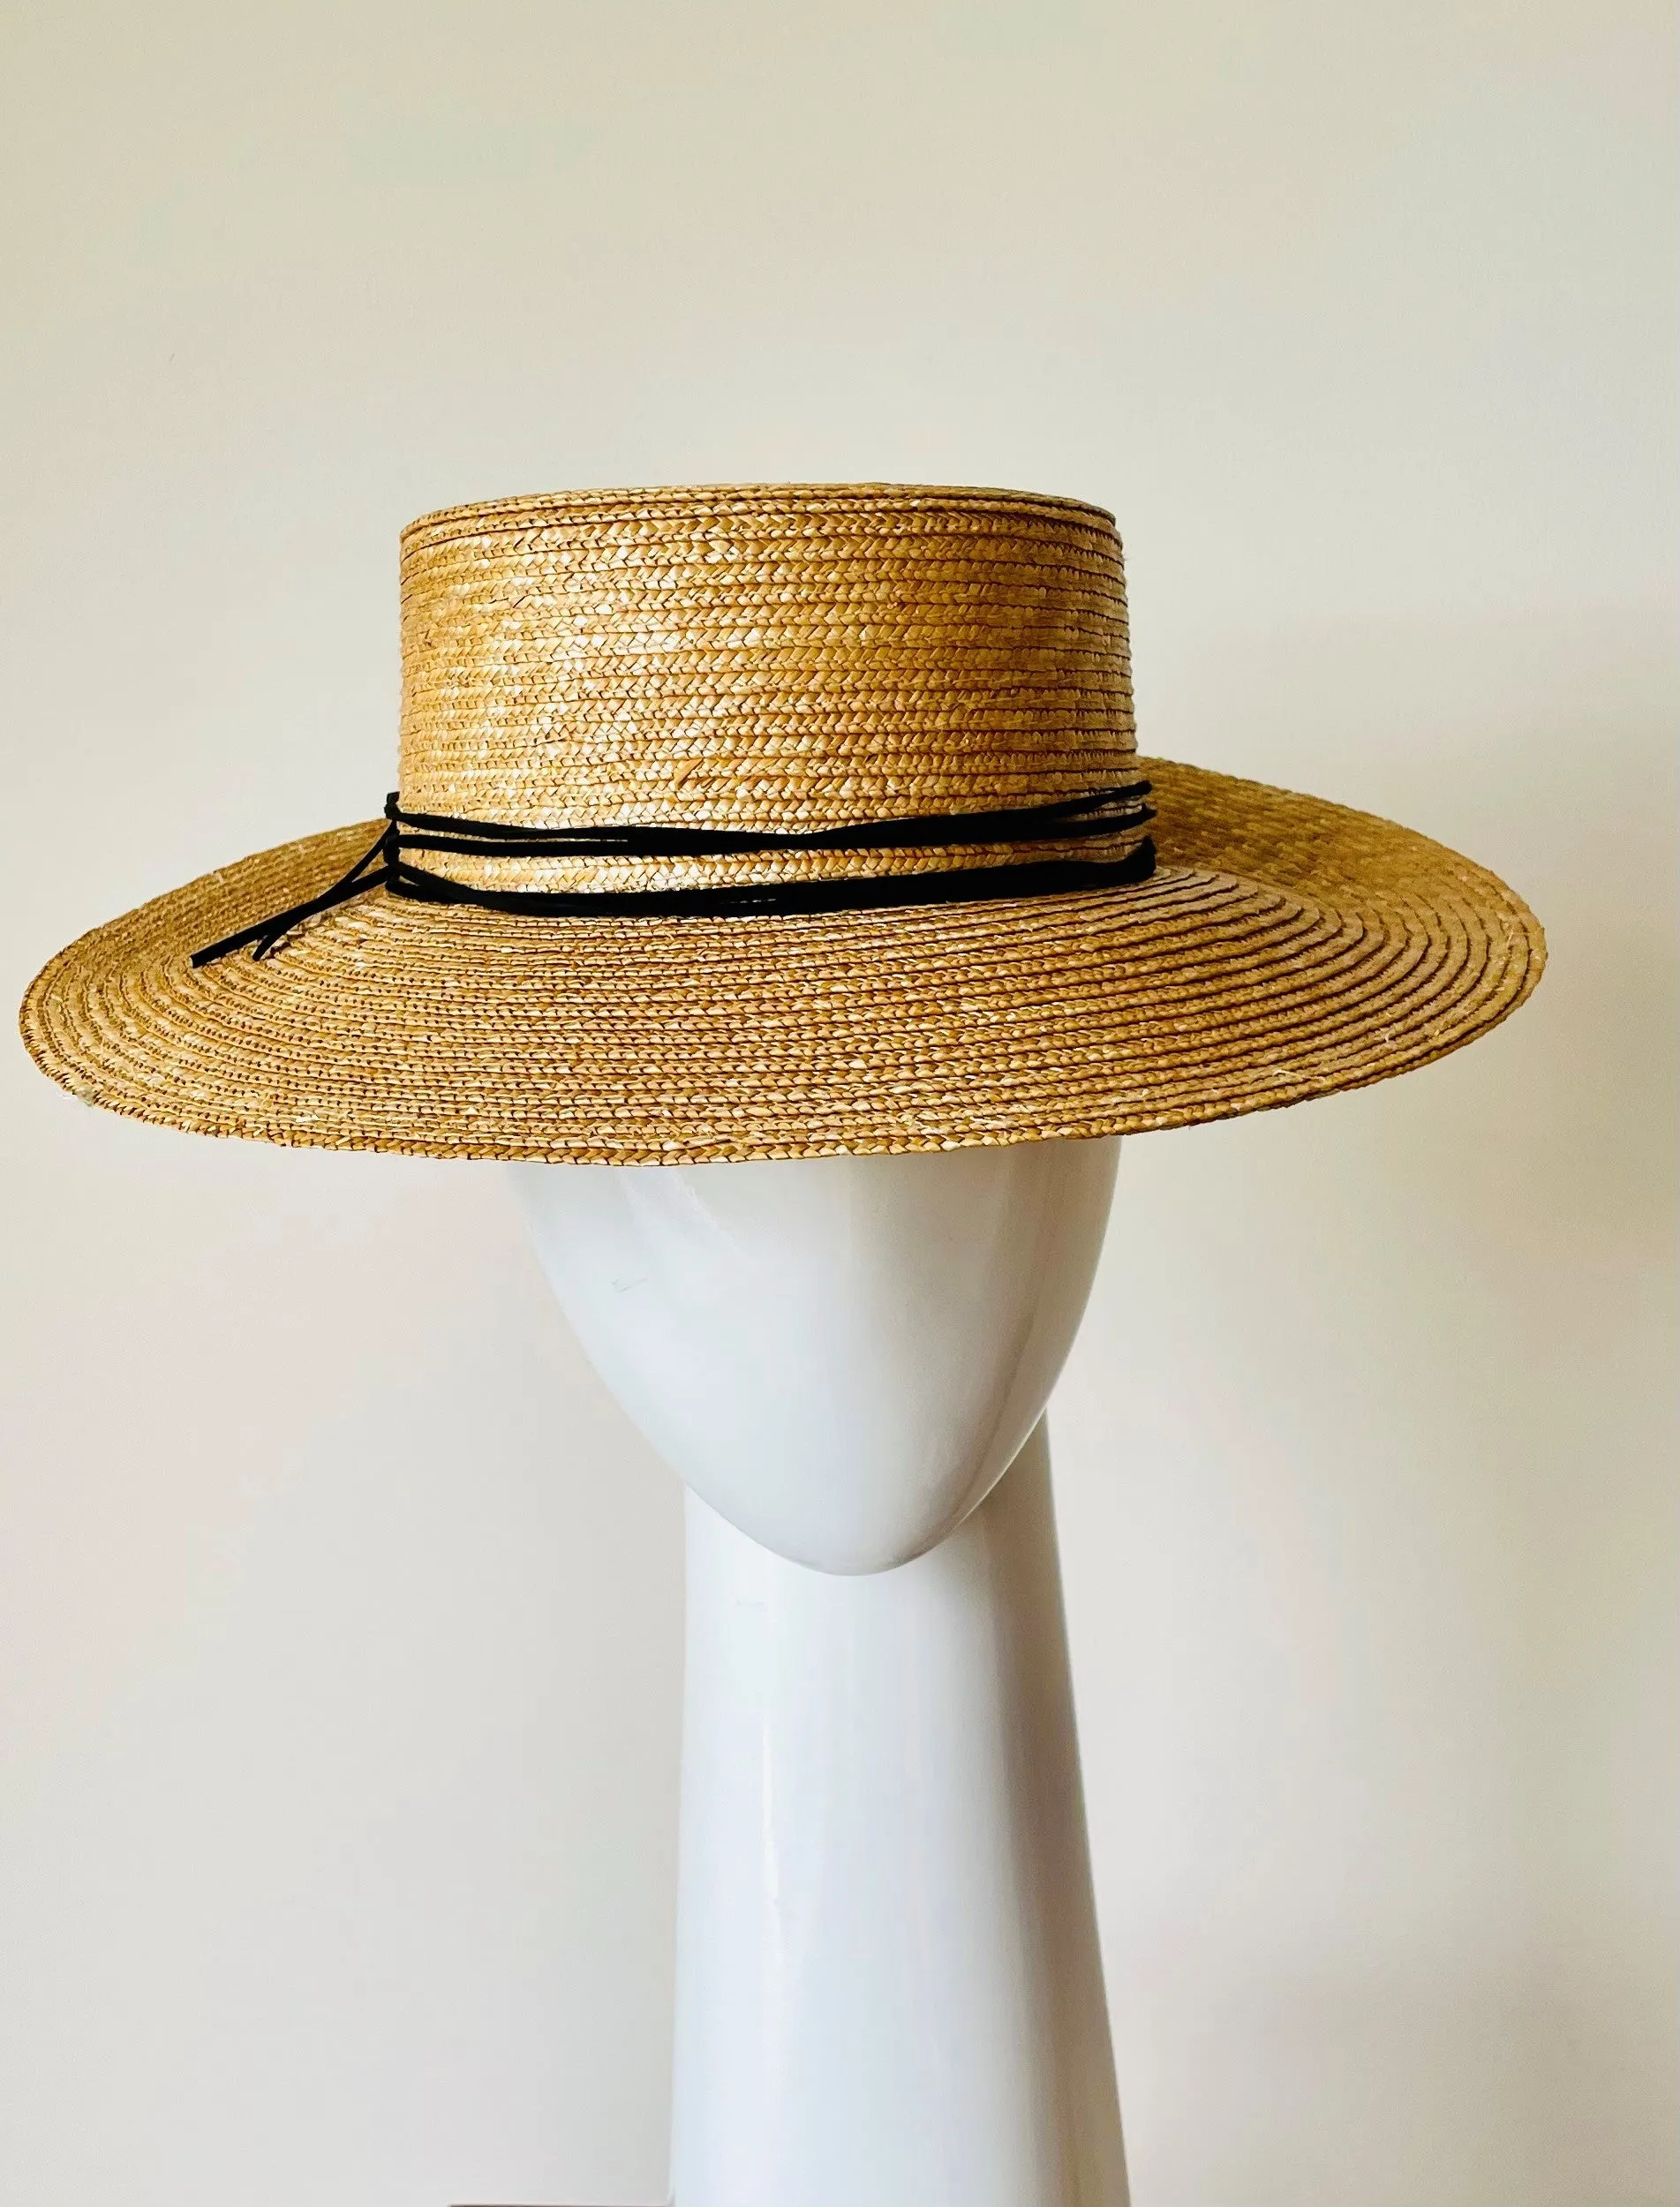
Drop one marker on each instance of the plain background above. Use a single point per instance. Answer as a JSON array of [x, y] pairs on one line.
[[339, 1607]]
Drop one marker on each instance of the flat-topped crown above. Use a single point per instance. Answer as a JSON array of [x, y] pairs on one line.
[[773, 657]]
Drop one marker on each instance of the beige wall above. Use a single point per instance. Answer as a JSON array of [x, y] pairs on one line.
[[339, 1608]]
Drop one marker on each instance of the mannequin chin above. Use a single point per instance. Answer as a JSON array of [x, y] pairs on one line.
[[842, 1356]]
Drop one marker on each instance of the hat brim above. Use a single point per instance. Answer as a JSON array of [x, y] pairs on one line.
[[1285, 948]]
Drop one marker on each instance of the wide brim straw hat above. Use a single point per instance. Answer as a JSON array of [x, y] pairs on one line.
[[780, 822]]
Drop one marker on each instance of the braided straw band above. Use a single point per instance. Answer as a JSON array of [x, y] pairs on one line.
[[1098, 812]]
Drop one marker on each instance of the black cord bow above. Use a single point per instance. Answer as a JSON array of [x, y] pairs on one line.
[[1098, 812]]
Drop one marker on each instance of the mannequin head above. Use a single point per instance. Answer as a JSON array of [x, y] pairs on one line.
[[841, 1355]]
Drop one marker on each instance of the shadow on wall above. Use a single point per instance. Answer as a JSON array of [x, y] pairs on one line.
[[1365, 1481]]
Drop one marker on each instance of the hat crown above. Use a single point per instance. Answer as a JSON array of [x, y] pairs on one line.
[[782, 658]]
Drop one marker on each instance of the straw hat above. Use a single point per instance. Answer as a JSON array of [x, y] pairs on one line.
[[776, 822]]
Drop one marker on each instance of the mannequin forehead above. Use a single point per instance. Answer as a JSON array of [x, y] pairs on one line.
[[816, 1202]]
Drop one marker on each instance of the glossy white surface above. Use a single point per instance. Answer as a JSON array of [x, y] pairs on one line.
[[889, 1991], [841, 1355], [888, 1982]]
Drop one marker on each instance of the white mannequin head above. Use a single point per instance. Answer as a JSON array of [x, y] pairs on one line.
[[841, 1355]]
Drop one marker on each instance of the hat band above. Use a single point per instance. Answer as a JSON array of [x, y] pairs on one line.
[[1109, 811]]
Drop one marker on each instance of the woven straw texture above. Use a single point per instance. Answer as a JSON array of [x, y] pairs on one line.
[[785, 659]]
